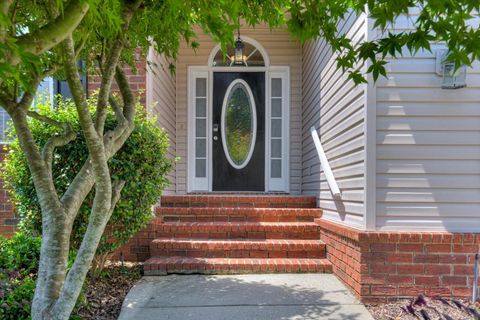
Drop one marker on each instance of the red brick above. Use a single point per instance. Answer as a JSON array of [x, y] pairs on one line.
[[399, 279], [410, 269], [437, 269], [463, 270], [463, 248], [410, 291], [438, 248], [438, 291], [453, 259], [383, 247], [454, 281], [382, 268], [426, 258], [383, 290], [400, 258], [462, 292], [410, 247], [427, 280]]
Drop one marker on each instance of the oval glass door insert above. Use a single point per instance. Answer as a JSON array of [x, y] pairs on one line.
[[239, 124]]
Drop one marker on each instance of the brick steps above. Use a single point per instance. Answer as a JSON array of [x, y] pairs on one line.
[[218, 234], [182, 265], [239, 230], [253, 201], [211, 214], [271, 248]]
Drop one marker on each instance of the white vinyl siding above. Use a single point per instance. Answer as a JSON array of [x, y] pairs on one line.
[[161, 104], [428, 147], [336, 108], [282, 51]]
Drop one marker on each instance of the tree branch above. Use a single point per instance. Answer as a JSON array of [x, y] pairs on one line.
[[48, 120], [4, 8], [127, 95], [55, 141], [106, 85], [108, 73], [27, 98], [102, 201], [113, 140], [53, 33], [117, 187]]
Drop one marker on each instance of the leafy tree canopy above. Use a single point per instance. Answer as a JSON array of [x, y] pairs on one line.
[[28, 47]]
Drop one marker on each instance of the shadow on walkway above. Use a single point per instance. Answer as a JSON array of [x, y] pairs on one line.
[[260, 296]]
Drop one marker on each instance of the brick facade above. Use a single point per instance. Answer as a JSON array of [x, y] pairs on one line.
[[8, 218], [383, 266], [137, 81]]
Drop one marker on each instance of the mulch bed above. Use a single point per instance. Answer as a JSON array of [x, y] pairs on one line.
[[424, 308], [104, 294]]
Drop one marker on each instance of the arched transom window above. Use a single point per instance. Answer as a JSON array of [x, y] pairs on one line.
[[254, 55]]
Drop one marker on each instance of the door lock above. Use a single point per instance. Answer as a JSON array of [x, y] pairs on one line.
[[215, 127]]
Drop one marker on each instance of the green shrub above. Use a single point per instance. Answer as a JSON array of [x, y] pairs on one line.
[[20, 253], [141, 162], [19, 258], [16, 294]]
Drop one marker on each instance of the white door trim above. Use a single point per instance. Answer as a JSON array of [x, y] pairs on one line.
[[195, 184]]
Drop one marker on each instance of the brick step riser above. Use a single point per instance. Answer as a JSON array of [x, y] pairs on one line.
[[299, 235], [227, 270], [306, 205], [239, 218], [307, 254], [234, 266], [239, 202]]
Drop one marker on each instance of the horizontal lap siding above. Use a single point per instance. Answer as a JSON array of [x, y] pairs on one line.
[[335, 106], [282, 51], [428, 148], [161, 104]]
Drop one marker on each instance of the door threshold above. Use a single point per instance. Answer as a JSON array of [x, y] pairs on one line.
[[260, 193]]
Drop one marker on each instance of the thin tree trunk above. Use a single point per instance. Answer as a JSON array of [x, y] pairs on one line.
[[56, 239]]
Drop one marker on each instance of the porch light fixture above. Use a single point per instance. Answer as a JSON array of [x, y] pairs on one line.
[[238, 57], [451, 78]]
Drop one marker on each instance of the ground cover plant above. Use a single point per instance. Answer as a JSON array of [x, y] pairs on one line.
[[426, 308]]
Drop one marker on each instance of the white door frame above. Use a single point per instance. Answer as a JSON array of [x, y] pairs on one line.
[[205, 184]]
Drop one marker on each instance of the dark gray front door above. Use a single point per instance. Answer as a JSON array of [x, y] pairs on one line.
[[238, 131]]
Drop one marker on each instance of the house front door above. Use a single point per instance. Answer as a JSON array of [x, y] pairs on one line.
[[238, 124]]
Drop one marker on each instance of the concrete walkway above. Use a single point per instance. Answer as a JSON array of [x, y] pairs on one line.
[[238, 297]]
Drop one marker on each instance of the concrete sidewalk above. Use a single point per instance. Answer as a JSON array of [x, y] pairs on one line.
[[238, 297]]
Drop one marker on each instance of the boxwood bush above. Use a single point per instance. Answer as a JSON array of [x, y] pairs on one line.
[[141, 162]]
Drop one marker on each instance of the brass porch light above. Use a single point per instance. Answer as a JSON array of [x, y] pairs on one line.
[[238, 57]]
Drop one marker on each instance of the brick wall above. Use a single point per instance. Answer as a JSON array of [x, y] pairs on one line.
[[8, 218], [382, 266], [138, 81], [137, 249]]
